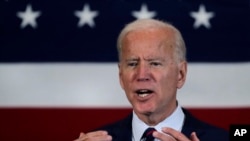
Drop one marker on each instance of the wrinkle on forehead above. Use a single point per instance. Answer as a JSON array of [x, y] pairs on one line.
[[165, 37], [160, 39]]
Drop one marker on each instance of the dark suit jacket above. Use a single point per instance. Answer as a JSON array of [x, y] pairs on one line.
[[122, 130]]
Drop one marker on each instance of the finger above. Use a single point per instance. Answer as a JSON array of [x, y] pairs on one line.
[[194, 137], [98, 138], [81, 134], [80, 137], [97, 133], [163, 136], [94, 136], [176, 134]]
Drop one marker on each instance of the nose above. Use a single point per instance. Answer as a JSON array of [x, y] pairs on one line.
[[143, 72]]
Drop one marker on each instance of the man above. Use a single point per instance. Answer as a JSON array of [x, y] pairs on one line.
[[152, 67]]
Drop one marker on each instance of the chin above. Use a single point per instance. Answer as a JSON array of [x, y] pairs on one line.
[[145, 110], [146, 113]]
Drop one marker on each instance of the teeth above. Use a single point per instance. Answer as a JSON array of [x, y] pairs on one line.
[[143, 92], [143, 95]]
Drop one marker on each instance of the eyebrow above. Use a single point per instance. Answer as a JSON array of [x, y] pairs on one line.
[[155, 59], [132, 59], [149, 59]]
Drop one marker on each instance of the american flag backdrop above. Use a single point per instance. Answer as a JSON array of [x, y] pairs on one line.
[[58, 63]]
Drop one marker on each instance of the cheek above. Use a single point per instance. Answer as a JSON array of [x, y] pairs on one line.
[[167, 87], [125, 79], [167, 80]]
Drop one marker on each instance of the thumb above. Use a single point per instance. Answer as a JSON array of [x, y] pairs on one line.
[[194, 137], [81, 134]]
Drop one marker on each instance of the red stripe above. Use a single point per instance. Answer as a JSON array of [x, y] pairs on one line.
[[53, 124]]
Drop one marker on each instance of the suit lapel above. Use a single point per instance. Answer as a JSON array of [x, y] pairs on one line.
[[191, 124], [124, 130]]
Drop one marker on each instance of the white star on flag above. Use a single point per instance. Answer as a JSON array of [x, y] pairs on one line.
[[28, 17], [86, 16], [202, 17], [144, 13]]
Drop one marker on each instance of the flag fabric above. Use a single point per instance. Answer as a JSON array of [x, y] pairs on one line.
[[58, 63]]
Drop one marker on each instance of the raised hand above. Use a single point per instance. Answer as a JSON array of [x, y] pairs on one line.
[[94, 136], [170, 134]]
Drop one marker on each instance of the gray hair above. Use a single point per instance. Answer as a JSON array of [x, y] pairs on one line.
[[142, 24]]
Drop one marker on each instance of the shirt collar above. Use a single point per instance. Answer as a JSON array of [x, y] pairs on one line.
[[175, 121]]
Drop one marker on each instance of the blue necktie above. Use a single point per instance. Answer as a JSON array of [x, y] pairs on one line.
[[147, 135]]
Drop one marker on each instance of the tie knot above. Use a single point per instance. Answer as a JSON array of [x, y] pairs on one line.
[[147, 135]]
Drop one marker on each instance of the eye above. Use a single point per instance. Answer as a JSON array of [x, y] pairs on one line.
[[155, 63], [132, 64]]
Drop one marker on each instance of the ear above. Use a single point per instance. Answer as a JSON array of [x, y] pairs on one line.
[[120, 76], [182, 74]]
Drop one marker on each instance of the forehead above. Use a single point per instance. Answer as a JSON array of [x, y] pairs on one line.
[[161, 32], [150, 35], [149, 38]]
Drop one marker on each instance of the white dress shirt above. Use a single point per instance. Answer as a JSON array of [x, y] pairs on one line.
[[175, 121]]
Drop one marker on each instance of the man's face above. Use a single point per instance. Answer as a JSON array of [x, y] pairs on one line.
[[149, 73]]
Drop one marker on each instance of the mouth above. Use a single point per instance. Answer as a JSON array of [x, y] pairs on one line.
[[143, 92]]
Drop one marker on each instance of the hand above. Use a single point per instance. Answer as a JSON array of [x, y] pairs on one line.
[[94, 136], [173, 135]]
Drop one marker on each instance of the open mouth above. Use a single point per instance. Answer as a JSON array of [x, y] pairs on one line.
[[144, 92]]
